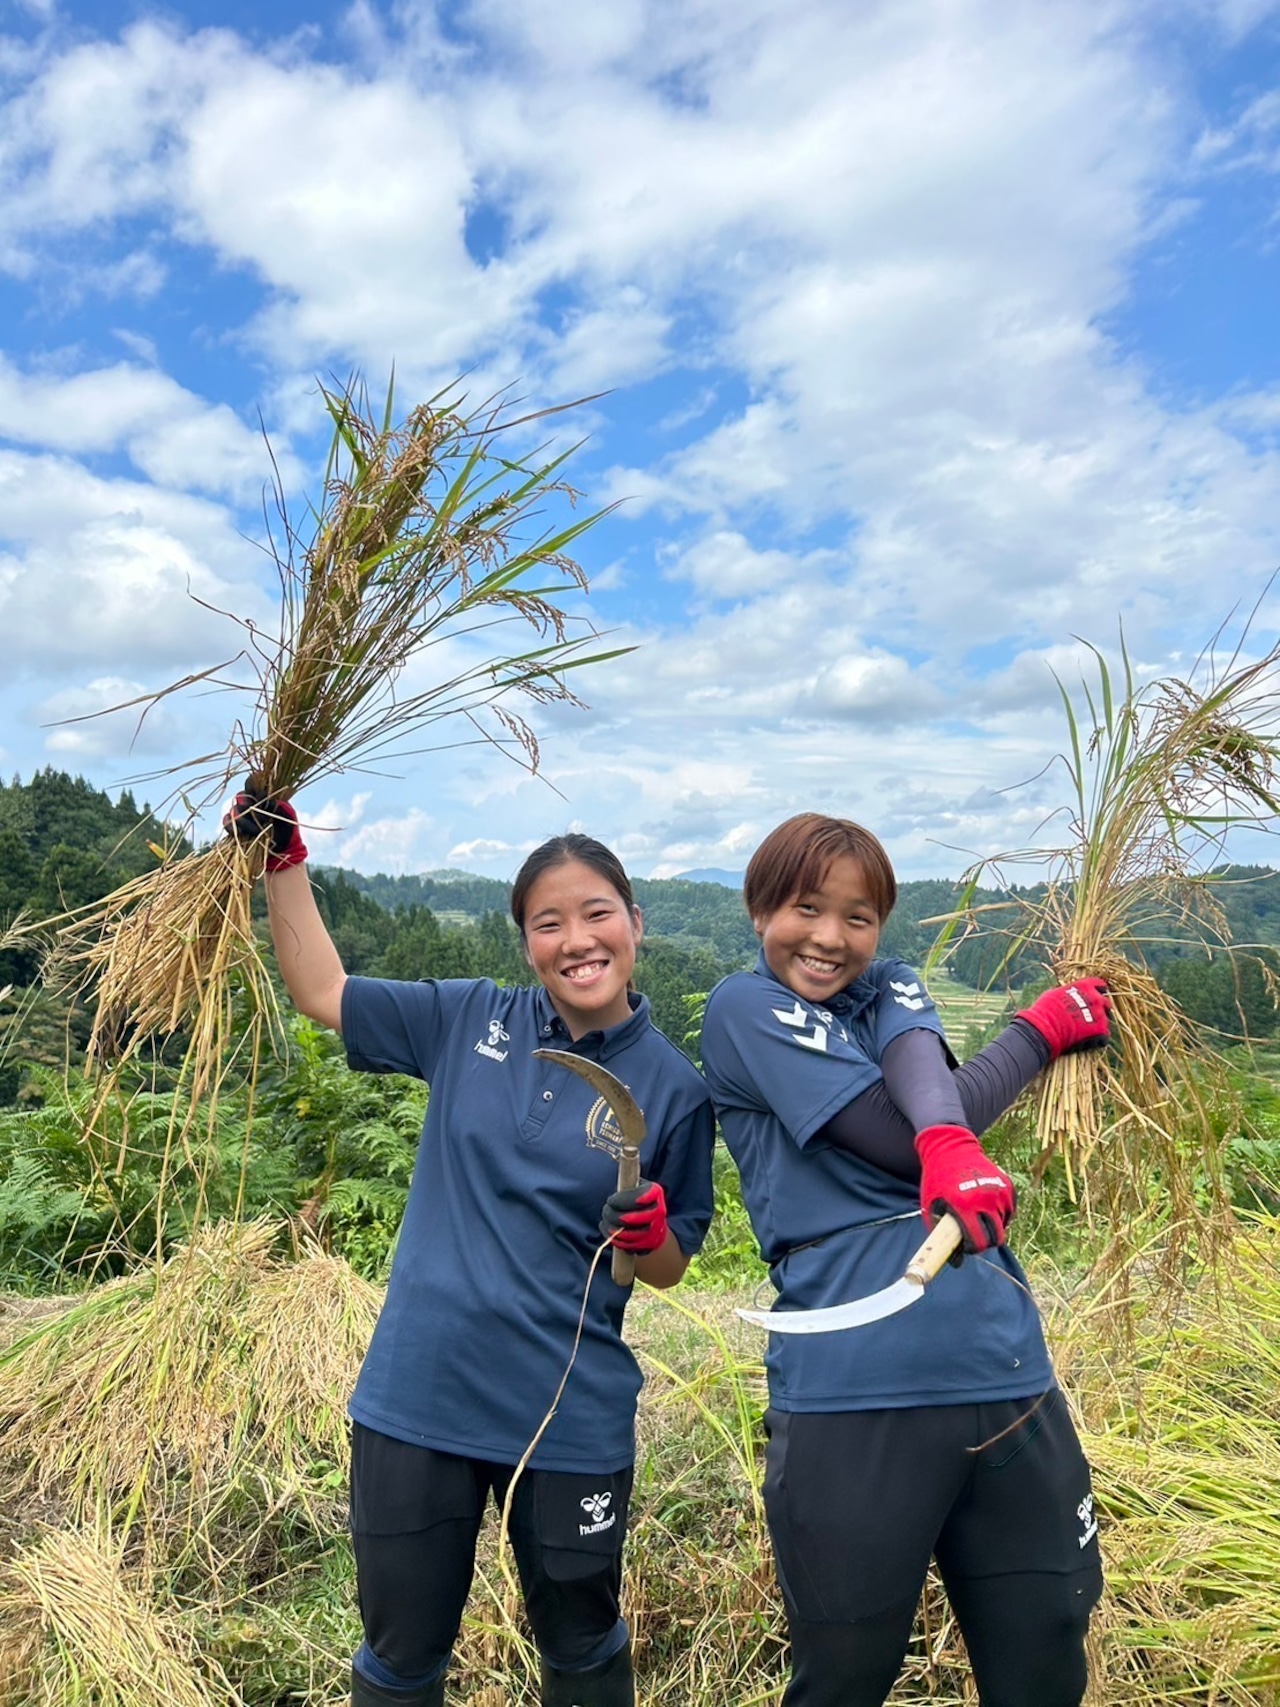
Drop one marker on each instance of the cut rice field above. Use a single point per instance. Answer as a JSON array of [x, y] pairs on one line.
[[192, 1528], [968, 1015]]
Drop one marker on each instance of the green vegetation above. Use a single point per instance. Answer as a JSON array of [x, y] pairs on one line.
[[172, 1444]]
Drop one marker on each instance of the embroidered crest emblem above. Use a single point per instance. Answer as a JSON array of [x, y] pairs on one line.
[[603, 1131]]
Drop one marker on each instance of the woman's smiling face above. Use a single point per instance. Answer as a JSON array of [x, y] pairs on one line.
[[817, 943], [581, 938]]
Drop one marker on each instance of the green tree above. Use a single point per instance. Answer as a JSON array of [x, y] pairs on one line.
[[70, 877], [1230, 994], [667, 971]]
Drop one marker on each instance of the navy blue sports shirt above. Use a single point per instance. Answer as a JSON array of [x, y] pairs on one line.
[[834, 1227], [503, 1220]]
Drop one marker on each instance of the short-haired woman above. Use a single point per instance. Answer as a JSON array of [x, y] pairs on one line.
[[938, 1431]]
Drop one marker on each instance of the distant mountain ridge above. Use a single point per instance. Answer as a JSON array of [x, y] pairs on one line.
[[65, 843], [711, 874]]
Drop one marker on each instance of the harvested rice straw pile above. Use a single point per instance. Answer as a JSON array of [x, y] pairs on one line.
[[418, 542], [224, 1369], [1187, 1483], [73, 1628], [1158, 774]]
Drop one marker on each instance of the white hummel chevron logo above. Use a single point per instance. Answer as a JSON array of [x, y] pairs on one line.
[[908, 996], [798, 1019]]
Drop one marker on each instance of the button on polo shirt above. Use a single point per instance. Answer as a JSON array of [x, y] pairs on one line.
[[502, 1220]]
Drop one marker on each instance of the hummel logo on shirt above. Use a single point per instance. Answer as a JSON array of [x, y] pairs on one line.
[[798, 1020], [908, 996], [1088, 1522], [595, 1506], [496, 1036]]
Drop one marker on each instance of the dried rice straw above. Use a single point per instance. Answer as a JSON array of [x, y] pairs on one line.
[[413, 547], [75, 1628], [1159, 773], [418, 543]]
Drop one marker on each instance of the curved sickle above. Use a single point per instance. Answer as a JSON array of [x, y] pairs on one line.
[[630, 1118]]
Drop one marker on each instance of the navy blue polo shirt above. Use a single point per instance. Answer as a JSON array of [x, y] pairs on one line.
[[503, 1218], [834, 1227]]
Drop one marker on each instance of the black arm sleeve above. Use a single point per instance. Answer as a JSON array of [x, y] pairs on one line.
[[919, 1089]]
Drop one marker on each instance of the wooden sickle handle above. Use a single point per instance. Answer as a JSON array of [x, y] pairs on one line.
[[945, 1238], [623, 1262]]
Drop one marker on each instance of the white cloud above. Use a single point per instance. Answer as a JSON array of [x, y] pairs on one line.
[[342, 816], [110, 573], [169, 434], [890, 234], [875, 688], [392, 844], [485, 850], [83, 725], [602, 347], [724, 565], [138, 344]]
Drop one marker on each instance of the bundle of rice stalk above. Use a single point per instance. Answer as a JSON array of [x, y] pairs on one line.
[[224, 1368], [418, 543], [1159, 773], [75, 1630], [307, 1326]]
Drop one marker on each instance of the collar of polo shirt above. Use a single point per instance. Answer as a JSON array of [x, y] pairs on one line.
[[599, 1045]]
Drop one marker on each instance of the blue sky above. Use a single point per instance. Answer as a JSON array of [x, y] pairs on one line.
[[936, 335]]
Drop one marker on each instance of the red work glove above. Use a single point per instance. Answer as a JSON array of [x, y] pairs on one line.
[[958, 1177], [1074, 1016], [636, 1220], [251, 816]]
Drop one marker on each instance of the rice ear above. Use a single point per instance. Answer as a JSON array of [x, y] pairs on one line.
[[1158, 772], [425, 536]]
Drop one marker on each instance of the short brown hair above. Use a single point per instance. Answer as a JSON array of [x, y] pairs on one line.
[[793, 860]]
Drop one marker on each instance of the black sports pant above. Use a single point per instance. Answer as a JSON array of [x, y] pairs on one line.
[[415, 1517], [998, 1493]]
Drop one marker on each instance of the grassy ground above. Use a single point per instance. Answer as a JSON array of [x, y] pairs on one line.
[[226, 1569]]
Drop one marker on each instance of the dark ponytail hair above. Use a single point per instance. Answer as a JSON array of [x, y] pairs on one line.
[[561, 850]]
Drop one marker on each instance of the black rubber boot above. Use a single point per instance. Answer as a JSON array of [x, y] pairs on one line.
[[366, 1693], [609, 1685]]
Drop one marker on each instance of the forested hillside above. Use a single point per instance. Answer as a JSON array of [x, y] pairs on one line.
[[64, 843]]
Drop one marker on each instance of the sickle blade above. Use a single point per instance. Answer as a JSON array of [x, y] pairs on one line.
[[627, 1112], [945, 1238], [625, 1107], [874, 1308]]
